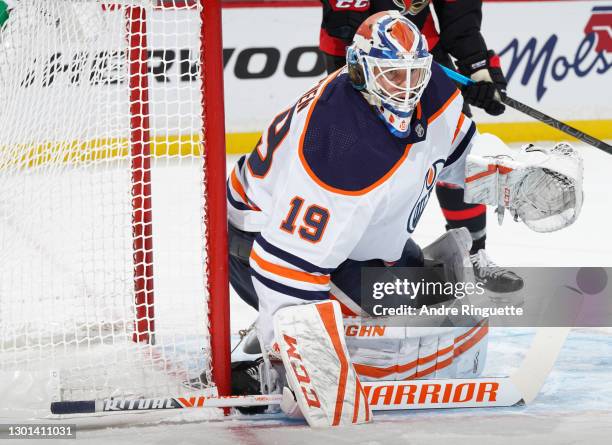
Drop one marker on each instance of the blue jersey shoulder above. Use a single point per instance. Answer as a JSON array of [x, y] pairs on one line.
[[346, 146]]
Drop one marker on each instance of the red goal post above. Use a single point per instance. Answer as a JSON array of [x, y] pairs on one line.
[[211, 66], [212, 70]]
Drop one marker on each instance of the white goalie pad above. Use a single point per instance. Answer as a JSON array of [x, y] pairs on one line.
[[318, 370], [383, 349], [541, 187]]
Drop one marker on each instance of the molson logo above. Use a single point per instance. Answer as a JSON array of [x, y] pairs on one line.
[[591, 55], [428, 185]]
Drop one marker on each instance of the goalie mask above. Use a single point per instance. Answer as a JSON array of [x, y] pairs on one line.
[[389, 63]]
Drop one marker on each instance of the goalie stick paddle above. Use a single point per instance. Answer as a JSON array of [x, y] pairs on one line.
[[521, 387], [538, 115], [539, 361]]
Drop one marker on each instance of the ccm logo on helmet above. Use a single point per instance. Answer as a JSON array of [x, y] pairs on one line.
[[416, 394], [300, 373]]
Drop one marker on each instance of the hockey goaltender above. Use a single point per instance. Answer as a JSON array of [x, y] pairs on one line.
[[338, 182]]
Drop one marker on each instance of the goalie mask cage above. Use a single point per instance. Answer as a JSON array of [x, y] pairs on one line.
[[113, 233]]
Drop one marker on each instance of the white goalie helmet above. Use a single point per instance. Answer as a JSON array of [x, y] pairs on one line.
[[390, 63]]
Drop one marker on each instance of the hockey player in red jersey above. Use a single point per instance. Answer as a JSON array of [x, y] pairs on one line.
[[459, 35], [338, 182]]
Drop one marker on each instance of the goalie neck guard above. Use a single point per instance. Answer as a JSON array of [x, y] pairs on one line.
[[389, 63]]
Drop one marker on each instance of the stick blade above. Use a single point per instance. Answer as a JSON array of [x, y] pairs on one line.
[[539, 361]]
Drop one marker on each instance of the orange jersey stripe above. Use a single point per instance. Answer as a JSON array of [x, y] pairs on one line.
[[328, 187], [237, 186], [434, 116], [288, 273], [459, 124]]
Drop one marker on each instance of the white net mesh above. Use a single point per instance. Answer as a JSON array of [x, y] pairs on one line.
[[69, 126]]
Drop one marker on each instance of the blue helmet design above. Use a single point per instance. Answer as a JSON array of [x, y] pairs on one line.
[[390, 63]]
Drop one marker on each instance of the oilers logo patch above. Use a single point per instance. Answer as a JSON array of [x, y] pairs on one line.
[[428, 185]]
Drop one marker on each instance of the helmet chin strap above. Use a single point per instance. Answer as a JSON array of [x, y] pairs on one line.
[[397, 122]]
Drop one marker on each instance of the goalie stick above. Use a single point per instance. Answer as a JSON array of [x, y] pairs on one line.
[[521, 387], [538, 115]]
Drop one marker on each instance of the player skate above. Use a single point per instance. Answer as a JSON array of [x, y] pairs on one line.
[[246, 370], [502, 285]]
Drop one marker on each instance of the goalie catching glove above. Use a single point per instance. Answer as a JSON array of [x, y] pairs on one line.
[[541, 187]]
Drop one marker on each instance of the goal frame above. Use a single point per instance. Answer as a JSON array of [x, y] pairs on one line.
[[211, 70], [213, 151]]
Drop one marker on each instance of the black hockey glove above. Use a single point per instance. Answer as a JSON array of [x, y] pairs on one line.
[[485, 70], [245, 381]]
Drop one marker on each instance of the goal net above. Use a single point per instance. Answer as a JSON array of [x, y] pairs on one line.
[[108, 191]]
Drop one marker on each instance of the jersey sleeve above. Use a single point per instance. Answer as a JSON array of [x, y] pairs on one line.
[[460, 23], [464, 137], [340, 22]]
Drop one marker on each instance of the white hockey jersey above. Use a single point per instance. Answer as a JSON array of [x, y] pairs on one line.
[[328, 182]]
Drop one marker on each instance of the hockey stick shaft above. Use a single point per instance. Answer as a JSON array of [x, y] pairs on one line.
[[383, 396], [108, 405], [539, 361], [538, 115]]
